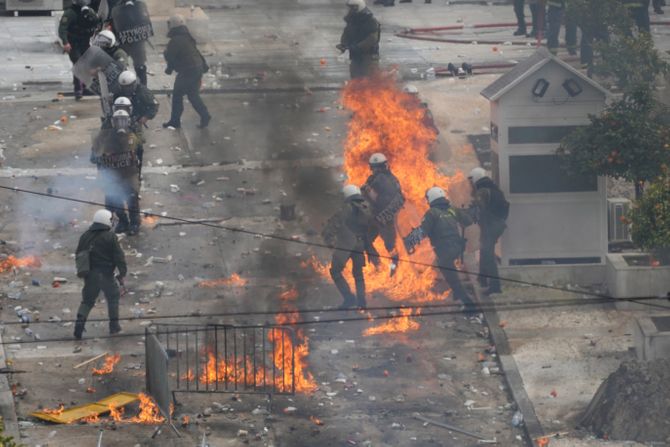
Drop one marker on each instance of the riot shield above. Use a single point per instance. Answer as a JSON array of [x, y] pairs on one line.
[[95, 60], [132, 22]]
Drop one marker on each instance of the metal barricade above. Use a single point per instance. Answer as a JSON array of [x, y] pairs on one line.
[[229, 359]]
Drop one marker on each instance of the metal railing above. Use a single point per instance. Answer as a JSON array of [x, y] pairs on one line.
[[229, 359]]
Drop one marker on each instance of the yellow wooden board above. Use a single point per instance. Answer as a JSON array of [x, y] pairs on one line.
[[69, 415]]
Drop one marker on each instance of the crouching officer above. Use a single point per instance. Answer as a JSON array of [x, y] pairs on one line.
[[382, 190], [183, 56], [115, 154], [361, 37], [490, 212], [349, 232], [441, 225], [105, 255]]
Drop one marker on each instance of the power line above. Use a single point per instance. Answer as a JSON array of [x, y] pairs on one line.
[[641, 300]]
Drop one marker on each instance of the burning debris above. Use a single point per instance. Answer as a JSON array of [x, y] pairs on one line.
[[289, 364], [234, 280], [108, 367], [402, 323], [13, 262]]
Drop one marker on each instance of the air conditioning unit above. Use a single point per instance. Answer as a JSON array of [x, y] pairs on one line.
[[34, 5], [618, 228]]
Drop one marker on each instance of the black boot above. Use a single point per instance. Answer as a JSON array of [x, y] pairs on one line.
[[123, 224], [360, 294], [79, 327], [171, 123], [142, 74], [520, 32], [204, 121], [114, 327]]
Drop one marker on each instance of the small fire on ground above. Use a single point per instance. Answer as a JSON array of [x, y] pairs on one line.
[[401, 323], [12, 262], [149, 413], [234, 280], [108, 366], [289, 362]]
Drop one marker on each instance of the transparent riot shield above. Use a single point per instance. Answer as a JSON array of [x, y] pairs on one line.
[[96, 61], [132, 22]]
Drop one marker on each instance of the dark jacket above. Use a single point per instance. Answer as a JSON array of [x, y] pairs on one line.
[[485, 193], [350, 227], [388, 198], [182, 54], [106, 254], [76, 26], [118, 54], [441, 225], [116, 157], [144, 103], [361, 34]]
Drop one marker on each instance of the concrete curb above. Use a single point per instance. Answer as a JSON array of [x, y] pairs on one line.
[[7, 408], [531, 426]]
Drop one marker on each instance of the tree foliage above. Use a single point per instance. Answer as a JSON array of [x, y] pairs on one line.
[[629, 140], [651, 217]]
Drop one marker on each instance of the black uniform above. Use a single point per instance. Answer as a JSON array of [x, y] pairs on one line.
[[492, 210], [361, 37], [349, 229], [76, 29], [115, 155], [182, 56], [441, 225], [382, 190], [136, 50], [105, 256]]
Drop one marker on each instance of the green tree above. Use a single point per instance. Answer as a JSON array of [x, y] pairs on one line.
[[651, 218], [629, 140]]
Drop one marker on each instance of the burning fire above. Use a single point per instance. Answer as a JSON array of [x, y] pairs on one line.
[[149, 412], [149, 221], [287, 357], [316, 420], [403, 323], [54, 411], [235, 280], [14, 262], [108, 367], [388, 120]]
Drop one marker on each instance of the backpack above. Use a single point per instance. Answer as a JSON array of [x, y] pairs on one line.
[[82, 261], [498, 206]]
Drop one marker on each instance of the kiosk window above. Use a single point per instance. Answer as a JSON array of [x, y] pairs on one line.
[[538, 134], [531, 174]]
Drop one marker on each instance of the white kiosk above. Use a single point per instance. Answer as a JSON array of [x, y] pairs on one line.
[[557, 228]]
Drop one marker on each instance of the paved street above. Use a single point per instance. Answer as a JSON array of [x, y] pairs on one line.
[[276, 138]]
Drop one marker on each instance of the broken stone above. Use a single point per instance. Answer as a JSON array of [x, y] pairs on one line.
[[289, 410]]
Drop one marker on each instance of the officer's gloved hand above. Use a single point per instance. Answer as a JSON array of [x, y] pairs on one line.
[[341, 47], [168, 71]]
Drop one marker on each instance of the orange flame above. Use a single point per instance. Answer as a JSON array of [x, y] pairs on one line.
[[14, 262], [149, 221], [92, 419], [403, 323], [149, 412], [235, 280], [388, 120], [316, 420], [108, 367], [54, 411], [289, 360], [116, 413]]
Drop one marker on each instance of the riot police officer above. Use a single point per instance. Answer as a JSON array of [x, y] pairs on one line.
[[491, 210], [183, 56], [105, 256], [115, 154], [76, 27], [361, 37], [107, 41], [348, 231], [137, 47], [441, 225], [382, 190], [144, 106]]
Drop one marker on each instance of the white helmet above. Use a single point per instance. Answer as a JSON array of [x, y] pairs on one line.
[[104, 39], [356, 5], [435, 193], [411, 89], [123, 103], [351, 190], [377, 160], [127, 78], [103, 217], [121, 121], [477, 174], [175, 21]]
